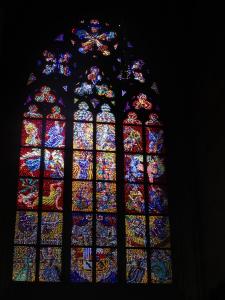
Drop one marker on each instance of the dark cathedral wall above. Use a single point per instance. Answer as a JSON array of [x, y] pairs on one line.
[[185, 59]]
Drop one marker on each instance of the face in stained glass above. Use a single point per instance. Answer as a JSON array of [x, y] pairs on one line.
[[134, 198], [81, 229], [159, 231], [55, 134], [158, 203], [50, 264], [155, 168], [31, 133], [30, 162], [135, 231], [134, 168], [161, 266], [51, 228], [136, 270], [154, 140], [106, 197], [81, 265], [106, 231], [27, 197], [82, 165], [83, 136], [26, 227], [24, 263], [82, 196], [106, 265], [106, 166], [132, 138], [54, 163], [52, 198], [105, 138]]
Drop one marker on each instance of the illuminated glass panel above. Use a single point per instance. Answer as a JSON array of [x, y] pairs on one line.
[[154, 140], [83, 136], [31, 133], [132, 138], [106, 166], [81, 229], [28, 190], [51, 228], [155, 168], [30, 162], [33, 112], [106, 265], [55, 113], [52, 198], [105, 116], [81, 265], [83, 113], [82, 165], [54, 163], [159, 231], [24, 263], [136, 270], [135, 231], [26, 227], [106, 197], [105, 139], [50, 264], [134, 198], [134, 168], [55, 134], [161, 266], [82, 196], [106, 230], [158, 203]]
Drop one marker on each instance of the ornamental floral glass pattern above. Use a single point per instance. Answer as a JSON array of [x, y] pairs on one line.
[[92, 153]]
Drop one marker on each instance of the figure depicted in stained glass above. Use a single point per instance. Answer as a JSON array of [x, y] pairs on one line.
[[105, 116], [136, 266], [106, 230], [33, 112], [50, 264], [55, 113], [30, 162], [31, 133], [105, 138], [158, 203], [159, 231], [81, 229], [55, 134], [161, 266], [106, 197], [135, 231], [26, 227], [45, 95], [142, 101], [106, 166], [155, 168], [24, 263], [54, 163], [28, 190], [132, 138], [82, 196], [52, 198], [154, 140], [134, 169], [134, 198], [83, 136], [81, 265], [51, 228], [83, 113], [82, 165], [106, 265]]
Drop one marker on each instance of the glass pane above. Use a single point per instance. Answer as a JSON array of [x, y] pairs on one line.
[[54, 163], [27, 197], [50, 264], [106, 265], [55, 134], [82, 165], [155, 168], [161, 266], [106, 230], [105, 139], [82, 196], [154, 140], [106, 166], [132, 138], [159, 231], [51, 228], [52, 198], [83, 113], [55, 113], [135, 231], [106, 197], [31, 133], [81, 265], [83, 136], [26, 227], [136, 266], [134, 168], [105, 116], [81, 229], [134, 198], [30, 162], [24, 263], [158, 203]]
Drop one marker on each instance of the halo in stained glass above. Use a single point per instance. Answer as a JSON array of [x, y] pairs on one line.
[[82, 196], [52, 197], [136, 266], [31, 133], [161, 266], [50, 264], [51, 228], [106, 230], [81, 265], [83, 136], [82, 165], [55, 134], [26, 227], [135, 231], [27, 196], [106, 265], [81, 229]]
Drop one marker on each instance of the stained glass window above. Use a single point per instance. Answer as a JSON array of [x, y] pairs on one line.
[[92, 182]]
